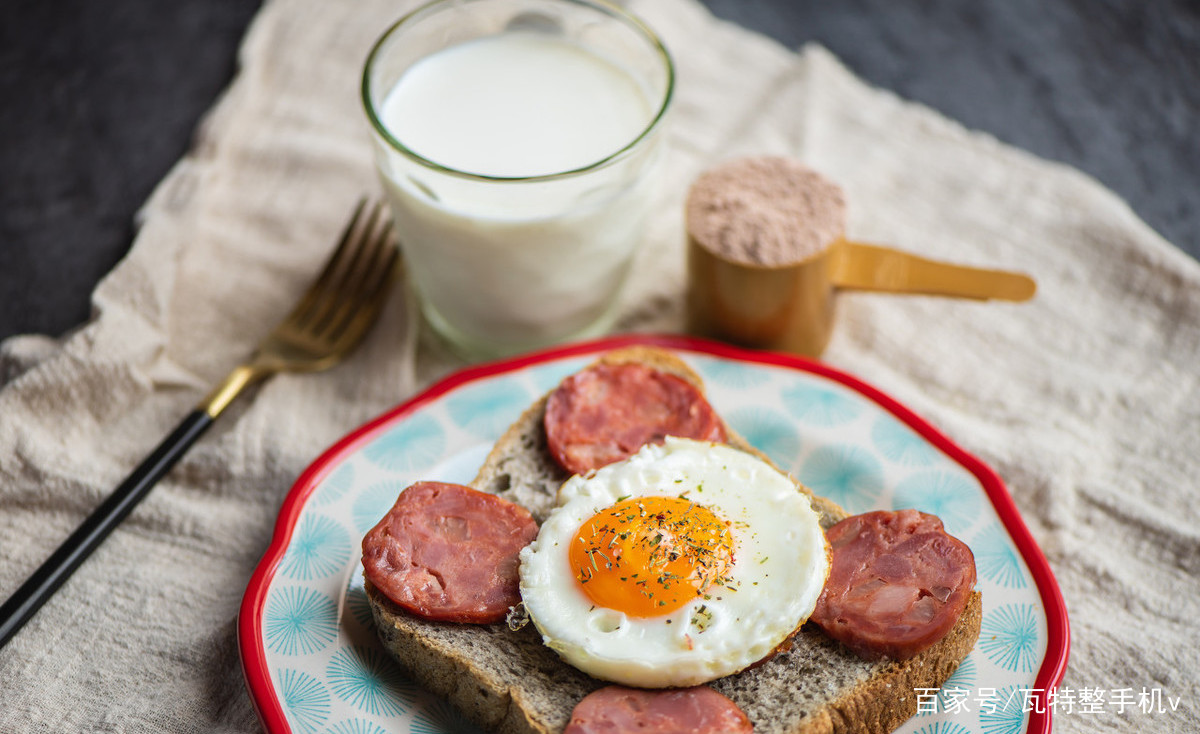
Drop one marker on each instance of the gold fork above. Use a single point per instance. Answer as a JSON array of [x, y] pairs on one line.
[[327, 323]]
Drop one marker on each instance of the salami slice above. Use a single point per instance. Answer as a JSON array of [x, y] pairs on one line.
[[607, 412], [620, 710], [897, 584], [448, 552]]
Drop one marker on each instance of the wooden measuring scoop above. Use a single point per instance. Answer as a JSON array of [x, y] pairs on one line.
[[767, 254]]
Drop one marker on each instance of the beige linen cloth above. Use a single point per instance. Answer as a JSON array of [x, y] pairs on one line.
[[1085, 400]]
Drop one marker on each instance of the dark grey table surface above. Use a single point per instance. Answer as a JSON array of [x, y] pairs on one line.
[[101, 98]]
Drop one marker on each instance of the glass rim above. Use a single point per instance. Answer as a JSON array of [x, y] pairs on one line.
[[601, 5]]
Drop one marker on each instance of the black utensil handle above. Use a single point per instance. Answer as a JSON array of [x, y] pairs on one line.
[[23, 604]]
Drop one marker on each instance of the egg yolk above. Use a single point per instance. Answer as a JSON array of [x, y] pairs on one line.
[[651, 555]]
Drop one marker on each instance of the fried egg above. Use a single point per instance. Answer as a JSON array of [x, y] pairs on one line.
[[686, 562]]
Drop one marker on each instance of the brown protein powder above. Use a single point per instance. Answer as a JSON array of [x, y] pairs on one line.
[[766, 211]]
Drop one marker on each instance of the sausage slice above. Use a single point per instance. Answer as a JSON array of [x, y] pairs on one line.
[[621, 710], [897, 584], [607, 412], [448, 552]]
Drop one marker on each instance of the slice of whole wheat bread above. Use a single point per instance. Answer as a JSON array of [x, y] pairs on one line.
[[508, 681]]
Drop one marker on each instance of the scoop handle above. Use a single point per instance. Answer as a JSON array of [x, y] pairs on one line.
[[863, 267]]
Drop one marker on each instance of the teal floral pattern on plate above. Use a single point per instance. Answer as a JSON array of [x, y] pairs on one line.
[[946, 494], [900, 444], [1009, 637], [727, 373], [820, 406], [329, 673], [321, 547], [356, 600], [299, 620], [305, 698], [768, 430], [487, 408], [410, 445], [997, 560], [357, 726], [335, 485], [944, 727], [848, 474], [373, 502], [368, 679], [1003, 713]]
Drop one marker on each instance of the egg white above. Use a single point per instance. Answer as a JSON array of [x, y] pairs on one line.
[[780, 564]]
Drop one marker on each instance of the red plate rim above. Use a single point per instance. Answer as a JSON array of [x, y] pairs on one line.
[[250, 615]]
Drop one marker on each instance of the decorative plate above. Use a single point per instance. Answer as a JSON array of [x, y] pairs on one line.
[[309, 654]]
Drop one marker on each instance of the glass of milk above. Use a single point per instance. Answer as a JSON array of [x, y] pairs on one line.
[[519, 142]]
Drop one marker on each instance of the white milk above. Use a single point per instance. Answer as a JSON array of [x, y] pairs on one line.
[[502, 266], [516, 104]]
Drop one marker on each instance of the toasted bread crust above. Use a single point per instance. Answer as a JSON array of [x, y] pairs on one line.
[[508, 681], [889, 697]]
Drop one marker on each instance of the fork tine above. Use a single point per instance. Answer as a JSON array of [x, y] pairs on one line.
[[344, 284], [346, 250], [342, 294], [372, 278], [367, 238], [363, 313]]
